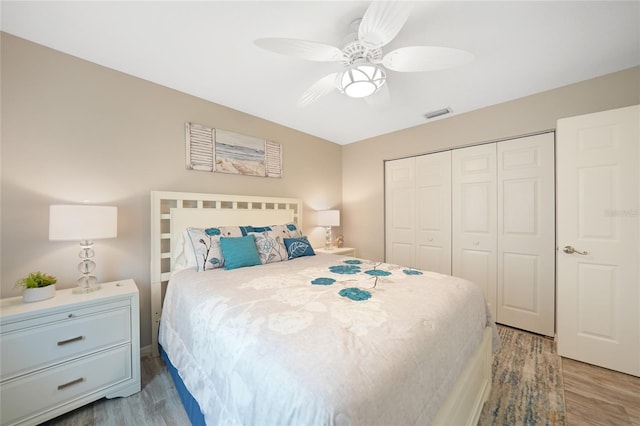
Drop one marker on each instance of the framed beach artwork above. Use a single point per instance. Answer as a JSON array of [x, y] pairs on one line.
[[222, 151]]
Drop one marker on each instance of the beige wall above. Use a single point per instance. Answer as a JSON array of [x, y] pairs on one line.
[[75, 131], [363, 162]]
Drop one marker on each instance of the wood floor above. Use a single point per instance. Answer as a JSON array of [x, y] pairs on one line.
[[597, 396], [593, 396]]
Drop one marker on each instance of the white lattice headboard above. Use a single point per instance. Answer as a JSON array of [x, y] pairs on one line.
[[172, 212]]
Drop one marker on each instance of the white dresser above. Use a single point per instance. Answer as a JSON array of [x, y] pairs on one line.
[[59, 354]]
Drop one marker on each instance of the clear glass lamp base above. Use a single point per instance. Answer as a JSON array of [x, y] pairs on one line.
[[88, 282], [84, 290], [328, 245]]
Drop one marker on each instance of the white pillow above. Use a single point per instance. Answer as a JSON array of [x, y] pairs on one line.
[[270, 245], [182, 255]]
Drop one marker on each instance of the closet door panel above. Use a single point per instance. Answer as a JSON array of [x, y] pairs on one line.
[[478, 266], [520, 272], [433, 214], [474, 225], [400, 210], [526, 233]]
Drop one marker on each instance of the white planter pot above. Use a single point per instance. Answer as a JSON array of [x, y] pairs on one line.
[[38, 294]]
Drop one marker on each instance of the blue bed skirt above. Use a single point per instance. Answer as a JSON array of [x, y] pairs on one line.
[[190, 404]]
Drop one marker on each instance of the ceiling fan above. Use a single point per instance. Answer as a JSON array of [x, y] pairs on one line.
[[365, 66]]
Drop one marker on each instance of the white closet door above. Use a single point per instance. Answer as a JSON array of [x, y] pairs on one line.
[[598, 214], [474, 221], [400, 208], [433, 217], [526, 233]]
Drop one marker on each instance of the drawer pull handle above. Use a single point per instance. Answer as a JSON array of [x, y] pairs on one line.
[[71, 383], [75, 339]]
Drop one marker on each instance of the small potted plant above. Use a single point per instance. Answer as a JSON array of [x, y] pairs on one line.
[[37, 286]]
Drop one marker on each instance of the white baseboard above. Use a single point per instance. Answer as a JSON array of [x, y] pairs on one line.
[[145, 351]]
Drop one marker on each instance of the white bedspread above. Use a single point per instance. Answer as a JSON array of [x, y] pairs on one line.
[[276, 345]]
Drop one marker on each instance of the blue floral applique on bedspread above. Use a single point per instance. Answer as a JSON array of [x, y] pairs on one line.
[[354, 293], [345, 269], [373, 276], [377, 273], [323, 281]]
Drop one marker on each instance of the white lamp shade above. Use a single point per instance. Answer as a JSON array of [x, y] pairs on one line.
[[82, 222], [329, 218]]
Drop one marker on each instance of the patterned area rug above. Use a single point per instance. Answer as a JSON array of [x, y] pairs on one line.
[[527, 382]]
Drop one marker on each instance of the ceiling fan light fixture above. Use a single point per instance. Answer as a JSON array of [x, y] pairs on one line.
[[361, 80]]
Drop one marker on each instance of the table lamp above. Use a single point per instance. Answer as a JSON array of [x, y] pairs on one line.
[[83, 223], [329, 218]]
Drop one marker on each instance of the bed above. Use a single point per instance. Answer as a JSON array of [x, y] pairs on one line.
[[316, 339]]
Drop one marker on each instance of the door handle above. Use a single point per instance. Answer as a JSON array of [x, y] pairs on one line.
[[571, 250]]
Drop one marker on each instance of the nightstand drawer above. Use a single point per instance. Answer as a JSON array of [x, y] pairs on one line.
[[47, 389], [37, 347]]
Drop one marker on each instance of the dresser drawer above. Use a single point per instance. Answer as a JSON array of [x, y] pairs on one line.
[[36, 347], [50, 388]]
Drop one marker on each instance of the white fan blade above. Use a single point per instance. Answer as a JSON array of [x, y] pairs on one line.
[[425, 58], [310, 50], [322, 87], [382, 22], [380, 99]]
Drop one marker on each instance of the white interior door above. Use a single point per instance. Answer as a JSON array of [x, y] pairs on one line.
[[474, 220], [433, 215], [526, 233], [400, 202], [598, 215]]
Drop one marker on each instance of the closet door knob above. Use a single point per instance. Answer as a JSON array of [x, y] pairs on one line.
[[571, 250]]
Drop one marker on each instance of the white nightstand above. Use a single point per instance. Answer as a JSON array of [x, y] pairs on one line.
[[343, 251], [59, 354]]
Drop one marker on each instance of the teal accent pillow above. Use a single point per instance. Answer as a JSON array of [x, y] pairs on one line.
[[239, 252], [298, 247]]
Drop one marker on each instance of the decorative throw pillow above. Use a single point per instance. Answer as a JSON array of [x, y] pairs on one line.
[[239, 252], [248, 229], [270, 245], [298, 247], [294, 231], [288, 230], [206, 245]]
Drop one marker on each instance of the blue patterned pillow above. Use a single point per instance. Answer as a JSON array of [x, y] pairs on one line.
[[287, 230], [247, 229], [298, 247], [206, 245], [239, 252], [270, 246], [294, 231]]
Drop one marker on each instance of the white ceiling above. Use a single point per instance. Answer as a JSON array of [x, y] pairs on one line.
[[206, 49]]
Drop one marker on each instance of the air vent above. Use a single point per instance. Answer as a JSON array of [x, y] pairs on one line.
[[438, 113]]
